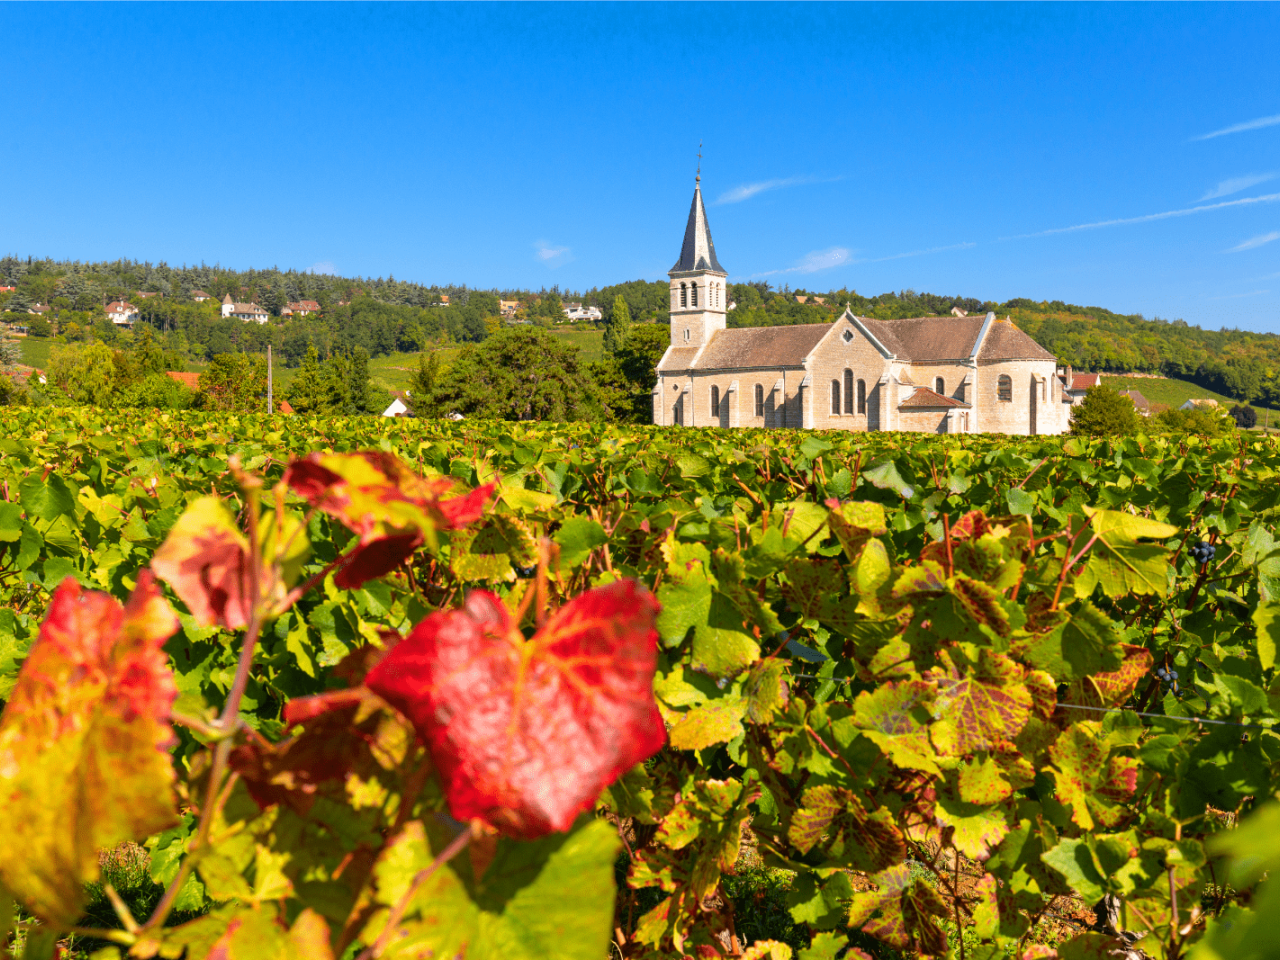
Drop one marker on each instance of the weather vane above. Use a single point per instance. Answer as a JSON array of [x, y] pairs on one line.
[[698, 177]]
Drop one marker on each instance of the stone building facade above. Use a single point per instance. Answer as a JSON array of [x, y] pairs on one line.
[[925, 375]]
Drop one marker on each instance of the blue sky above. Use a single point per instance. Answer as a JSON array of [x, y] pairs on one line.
[[1123, 156]]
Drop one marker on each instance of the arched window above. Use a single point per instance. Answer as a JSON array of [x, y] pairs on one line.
[[677, 414], [686, 334], [862, 396], [1044, 389], [684, 295], [940, 386], [715, 401], [835, 396], [848, 391], [1004, 388], [759, 400], [694, 291]]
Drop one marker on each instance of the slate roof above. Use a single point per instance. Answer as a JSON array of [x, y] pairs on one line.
[[698, 251], [927, 338], [917, 340], [678, 358], [927, 399], [767, 347], [1006, 342], [1138, 399]]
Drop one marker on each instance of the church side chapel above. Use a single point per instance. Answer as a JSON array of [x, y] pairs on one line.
[[924, 375]]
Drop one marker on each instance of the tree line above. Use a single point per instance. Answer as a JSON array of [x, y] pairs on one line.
[[385, 315]]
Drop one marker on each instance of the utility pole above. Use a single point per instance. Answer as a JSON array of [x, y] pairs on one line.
[[271, 407]]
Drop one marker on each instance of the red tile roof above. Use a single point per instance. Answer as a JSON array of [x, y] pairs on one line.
[[284, 407], [1084, 381], [189, 380], [926, 398]]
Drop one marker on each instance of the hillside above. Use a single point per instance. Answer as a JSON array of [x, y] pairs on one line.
[[386, 316]]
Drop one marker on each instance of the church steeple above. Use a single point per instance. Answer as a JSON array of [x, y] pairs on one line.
[[697, 281], [698, 251]]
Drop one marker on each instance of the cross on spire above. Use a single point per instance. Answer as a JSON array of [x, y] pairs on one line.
[[698, 177]]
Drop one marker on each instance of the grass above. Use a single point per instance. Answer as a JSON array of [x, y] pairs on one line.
[[1172, 392], [1175, 393], [35, 353]]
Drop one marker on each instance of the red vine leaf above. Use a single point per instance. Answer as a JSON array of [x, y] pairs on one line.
[[527, 733], [896, 717], [902, 912], [83, 744], [1089, 780], [205, 559], [835, 818], [981, 710], [390, 508], [1113, 688]]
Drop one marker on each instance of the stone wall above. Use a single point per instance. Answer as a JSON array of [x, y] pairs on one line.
[[1036, 406], [828, 362]]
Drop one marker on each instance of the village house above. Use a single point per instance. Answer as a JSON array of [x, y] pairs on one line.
[[302, 308], [122, 313], [199, 296], [1198, 402], [1140, 403], [1076, 385], [576, 311], [925, 375], [508, 308], [244, 311]]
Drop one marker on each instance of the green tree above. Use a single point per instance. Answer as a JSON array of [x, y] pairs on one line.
[[422, 387], [521, 373], [149, 353], [83, 374], [1104, 413], [38, 326], [624, 381], [617, 326], [158, 391], [306, 393], [1204, 421], [1245, 417], [235, 381]]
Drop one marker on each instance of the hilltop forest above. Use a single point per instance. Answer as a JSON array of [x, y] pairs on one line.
[[385, 315]]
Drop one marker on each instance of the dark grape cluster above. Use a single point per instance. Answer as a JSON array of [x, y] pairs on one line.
[[1168, 678], [1202, 552]]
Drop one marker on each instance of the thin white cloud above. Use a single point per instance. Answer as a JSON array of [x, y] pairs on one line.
[[1235, 185], [1237, 296], [1241, 127], [748, 190], [841, 256], [1186, 212], [921, 253], [324, 267], [1254, 242], [552, 256], [815, 261]]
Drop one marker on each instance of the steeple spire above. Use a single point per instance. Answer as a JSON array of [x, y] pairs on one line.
[[698, 251]]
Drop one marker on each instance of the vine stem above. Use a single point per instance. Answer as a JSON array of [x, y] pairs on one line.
[[397, 912], [956, 901], [228, 720]]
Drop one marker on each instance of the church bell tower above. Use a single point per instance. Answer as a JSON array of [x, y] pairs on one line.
[[698, 296]]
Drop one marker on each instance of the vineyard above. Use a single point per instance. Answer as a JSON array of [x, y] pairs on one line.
[[279, 687]]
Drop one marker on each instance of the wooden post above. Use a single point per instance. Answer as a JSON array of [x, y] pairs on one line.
[[271, 407]]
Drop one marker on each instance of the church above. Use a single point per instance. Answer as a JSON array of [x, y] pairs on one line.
[[956, 374]]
